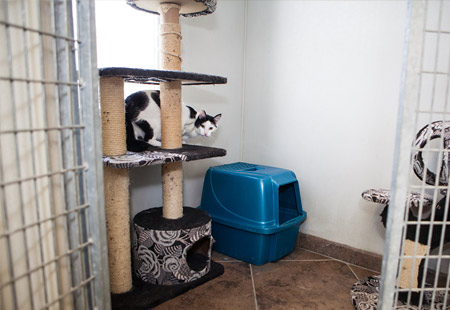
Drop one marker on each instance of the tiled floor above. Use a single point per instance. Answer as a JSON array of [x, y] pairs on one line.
[[301, 280]]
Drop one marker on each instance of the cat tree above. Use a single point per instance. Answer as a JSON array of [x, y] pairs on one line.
[[419, 239], [172, 244]]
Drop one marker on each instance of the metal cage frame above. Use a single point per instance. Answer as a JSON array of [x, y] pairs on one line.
[[52, 225], [424, 98]]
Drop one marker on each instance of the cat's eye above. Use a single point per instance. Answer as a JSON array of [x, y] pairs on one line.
[[203, 126], [210, 128]]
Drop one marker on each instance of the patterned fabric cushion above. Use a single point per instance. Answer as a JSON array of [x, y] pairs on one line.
[[162, 247], [364, 295], [142, 159], [383, 196], [435, 130]]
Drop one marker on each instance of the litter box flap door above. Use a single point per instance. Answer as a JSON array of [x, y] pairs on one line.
[[242, 198], [289, 202]]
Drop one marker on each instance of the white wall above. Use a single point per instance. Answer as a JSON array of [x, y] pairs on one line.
[[321, 97], [126, 37]]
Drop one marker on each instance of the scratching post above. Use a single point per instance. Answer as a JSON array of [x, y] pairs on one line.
[[170, 36], [116, 185], [172, 189], [409, 273], [171, 115], [170, 58], [118, 229], [113, 116]]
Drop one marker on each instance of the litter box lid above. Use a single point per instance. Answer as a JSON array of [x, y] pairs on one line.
[[252, 197]]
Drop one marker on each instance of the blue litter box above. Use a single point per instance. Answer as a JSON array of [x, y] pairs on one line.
[[256, 211]]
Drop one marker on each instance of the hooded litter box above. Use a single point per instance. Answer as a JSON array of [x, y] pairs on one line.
[[256, 211]]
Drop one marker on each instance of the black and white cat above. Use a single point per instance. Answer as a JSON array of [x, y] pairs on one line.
[[143, 121]]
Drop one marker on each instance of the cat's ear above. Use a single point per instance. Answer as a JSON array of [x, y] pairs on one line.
[[217, 118], [202, 114]]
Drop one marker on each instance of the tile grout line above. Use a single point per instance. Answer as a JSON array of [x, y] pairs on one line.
[[341, 261], [306, 260], [349, 267], [374, 271], [254, 289]]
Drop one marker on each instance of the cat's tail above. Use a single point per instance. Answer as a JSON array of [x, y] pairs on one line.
[[133, 144]]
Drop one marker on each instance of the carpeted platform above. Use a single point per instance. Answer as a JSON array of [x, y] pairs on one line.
[[145, 296], [158, 156], [154, 77]]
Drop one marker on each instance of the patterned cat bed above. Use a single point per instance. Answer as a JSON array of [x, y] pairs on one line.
[[168, 251], [365, 292], [383, 196]]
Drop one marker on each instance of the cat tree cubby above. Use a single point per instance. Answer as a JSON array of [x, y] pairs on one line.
[[172, 244]]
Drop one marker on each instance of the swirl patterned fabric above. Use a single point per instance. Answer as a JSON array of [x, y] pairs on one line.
[[142, 159], [383, 196], [364, 295], [160, 257], [435, 130]]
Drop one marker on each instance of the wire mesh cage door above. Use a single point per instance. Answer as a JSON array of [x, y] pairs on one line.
[[416, 267], [52, 236]]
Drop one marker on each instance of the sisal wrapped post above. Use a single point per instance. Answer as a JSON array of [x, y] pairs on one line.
[[113, 116], [170, 58], [116, 185], [170, 37], [171, 115], [410, 267], [172, 190]]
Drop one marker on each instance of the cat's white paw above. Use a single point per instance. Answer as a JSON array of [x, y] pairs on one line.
[[154, 142]]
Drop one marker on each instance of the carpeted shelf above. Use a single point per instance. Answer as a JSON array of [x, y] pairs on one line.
[[151, 76], [158, 156]]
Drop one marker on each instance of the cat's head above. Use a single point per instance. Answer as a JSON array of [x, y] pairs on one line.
[[206, 124]]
